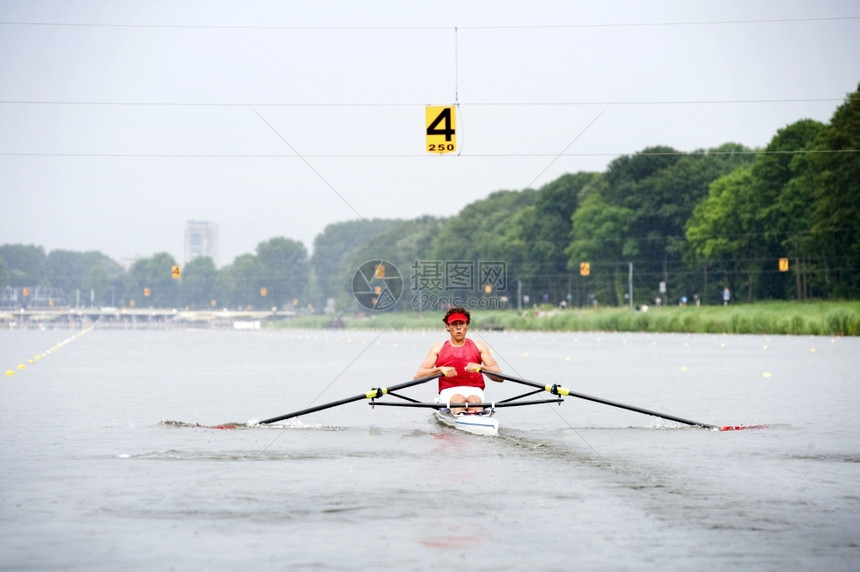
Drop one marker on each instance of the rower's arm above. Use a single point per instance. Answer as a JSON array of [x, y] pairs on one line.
[[488, 361], [428, 366]]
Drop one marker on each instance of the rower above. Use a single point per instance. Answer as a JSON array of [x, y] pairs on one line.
[[459, 359]]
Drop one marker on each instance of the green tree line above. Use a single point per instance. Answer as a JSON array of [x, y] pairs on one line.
[[275, 276], [688, 224]]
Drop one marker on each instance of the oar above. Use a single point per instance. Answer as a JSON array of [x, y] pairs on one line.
[[559, 390], [372, 394]]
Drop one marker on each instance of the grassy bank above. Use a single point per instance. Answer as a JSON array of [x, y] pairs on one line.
[[794, 318]]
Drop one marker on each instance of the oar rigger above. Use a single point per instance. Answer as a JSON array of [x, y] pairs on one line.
[[479, 422]]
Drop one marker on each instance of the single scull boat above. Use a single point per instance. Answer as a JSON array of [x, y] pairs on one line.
[[478, 423]]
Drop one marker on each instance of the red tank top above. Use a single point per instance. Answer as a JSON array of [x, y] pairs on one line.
[[458, 357]]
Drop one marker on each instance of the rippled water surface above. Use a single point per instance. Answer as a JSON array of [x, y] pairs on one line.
[[103, 469]]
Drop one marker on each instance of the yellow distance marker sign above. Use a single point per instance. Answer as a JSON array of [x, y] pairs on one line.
[[441, 128], [584, 268]]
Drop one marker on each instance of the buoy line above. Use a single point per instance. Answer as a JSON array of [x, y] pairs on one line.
[[32, 361]]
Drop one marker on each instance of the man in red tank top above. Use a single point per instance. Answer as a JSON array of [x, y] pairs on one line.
[[459, 359]]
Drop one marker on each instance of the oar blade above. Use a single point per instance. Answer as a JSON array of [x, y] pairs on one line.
[[740, 427]]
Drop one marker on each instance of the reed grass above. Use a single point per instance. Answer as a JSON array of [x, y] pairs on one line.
[[789, 318]]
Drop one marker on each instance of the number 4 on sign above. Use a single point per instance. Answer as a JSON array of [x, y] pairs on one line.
[[441, 123]]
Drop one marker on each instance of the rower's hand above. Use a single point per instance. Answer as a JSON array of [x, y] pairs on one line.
[[447, 371], [473, 367]]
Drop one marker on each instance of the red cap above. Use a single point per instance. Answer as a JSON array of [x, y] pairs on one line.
[[457, 317]]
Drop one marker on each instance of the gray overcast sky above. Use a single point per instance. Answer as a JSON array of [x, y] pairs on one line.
[[120, 120]]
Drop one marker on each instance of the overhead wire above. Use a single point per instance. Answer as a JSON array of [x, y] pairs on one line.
[[559, 155], [316, 172], [305, 156], [243, 27], [418, 104]]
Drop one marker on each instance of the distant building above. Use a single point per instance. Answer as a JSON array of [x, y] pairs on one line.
[[29, 298], [128, 262], [201, 239]]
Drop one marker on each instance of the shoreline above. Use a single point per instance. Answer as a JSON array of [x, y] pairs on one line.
[[772, 318], [792, 318]]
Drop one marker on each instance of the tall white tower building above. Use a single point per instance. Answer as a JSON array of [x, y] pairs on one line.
[[201, 239]]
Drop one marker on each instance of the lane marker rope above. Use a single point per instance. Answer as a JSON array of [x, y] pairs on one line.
[[37, 357]]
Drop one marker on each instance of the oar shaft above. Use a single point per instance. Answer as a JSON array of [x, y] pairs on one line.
[[372, 394], [559, 390], [313, 409], [640, 410]]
